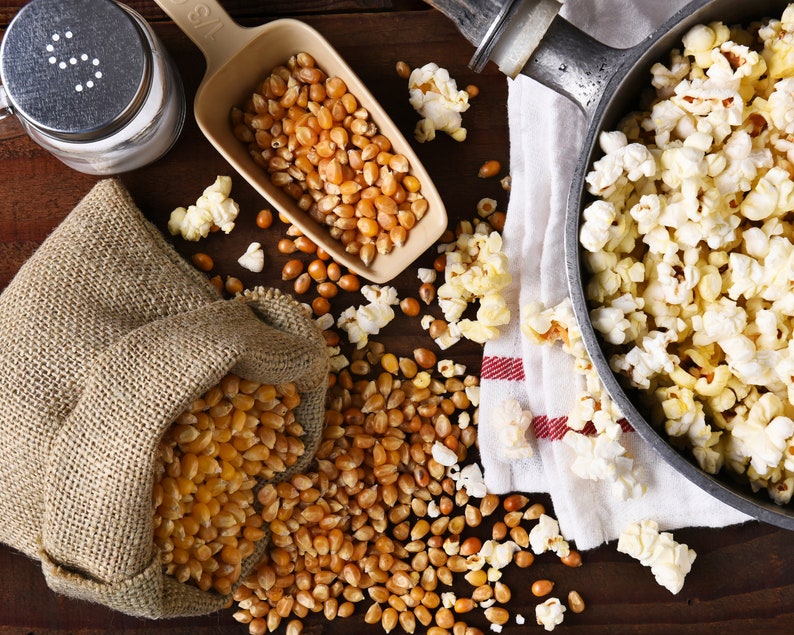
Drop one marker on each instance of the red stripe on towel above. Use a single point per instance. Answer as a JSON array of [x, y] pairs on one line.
[[554, 428], [551, 428], [497, 368], [507, 368]]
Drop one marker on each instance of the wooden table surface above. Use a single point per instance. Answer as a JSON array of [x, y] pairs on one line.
[[742, 580]]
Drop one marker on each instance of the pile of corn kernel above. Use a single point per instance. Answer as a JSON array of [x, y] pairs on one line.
[[384, 520], [211, 459], [319, 144], [384, 523]]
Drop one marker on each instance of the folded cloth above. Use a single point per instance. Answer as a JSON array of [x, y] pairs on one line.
[[546, 133]]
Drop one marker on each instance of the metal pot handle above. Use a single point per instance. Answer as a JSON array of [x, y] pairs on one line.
[[529, 37], [574, 64]]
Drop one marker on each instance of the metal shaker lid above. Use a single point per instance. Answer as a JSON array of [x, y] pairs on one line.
[[78, 70]]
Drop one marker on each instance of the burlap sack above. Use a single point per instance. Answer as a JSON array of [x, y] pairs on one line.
[[106, 335]]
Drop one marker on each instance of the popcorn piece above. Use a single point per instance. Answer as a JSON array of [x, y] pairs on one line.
[[338, 362], [324, 322], [469, 478], [773, 195], [668, 560], [253, 259], [763, 437], [545, 536], [498, 554], [450, 336], [486, 206], [550, 325], [435, 96], [476, 271], [359, 323], [666, 78], [778, 39], [701, 39], [443, 454], [597, 228], [213, 208], [464, 420], [622, 162], [473, 393], [193, 223], [493, 310], [426, 275], [550, 613], [447, 368], [599, 458], [647, 359], [512, 426], [451, 545], [477, 331], [448, 599], [475, 562]]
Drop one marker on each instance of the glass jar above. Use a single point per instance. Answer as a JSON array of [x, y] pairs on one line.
[[90, 82]]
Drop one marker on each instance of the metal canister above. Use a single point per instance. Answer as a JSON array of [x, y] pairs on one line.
[[91, 82]]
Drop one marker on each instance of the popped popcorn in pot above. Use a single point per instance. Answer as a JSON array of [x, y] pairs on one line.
[[691, 219]]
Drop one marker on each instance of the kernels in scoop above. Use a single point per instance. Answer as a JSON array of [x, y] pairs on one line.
[[339, 145]]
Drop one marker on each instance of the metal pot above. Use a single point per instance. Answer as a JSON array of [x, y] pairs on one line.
[[628, 75], [605, 83]]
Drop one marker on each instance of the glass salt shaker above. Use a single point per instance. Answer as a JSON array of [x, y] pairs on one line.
[[90, 82]]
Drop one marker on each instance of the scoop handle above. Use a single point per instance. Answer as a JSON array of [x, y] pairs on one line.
[[210, 28]]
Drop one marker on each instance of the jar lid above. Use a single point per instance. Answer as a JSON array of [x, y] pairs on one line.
[[78, 70]]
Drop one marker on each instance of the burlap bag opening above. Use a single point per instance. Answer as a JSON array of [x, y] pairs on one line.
[[106, 335]]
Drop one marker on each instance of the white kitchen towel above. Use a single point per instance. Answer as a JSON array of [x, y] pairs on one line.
[[546, 133]]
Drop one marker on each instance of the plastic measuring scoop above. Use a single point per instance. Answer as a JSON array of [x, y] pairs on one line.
[[238, 60]]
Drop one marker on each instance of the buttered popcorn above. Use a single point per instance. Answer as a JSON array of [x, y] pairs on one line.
[[690, 245], [476, 270]]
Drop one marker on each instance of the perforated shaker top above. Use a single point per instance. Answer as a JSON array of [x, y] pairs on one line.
[[75, 69]]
